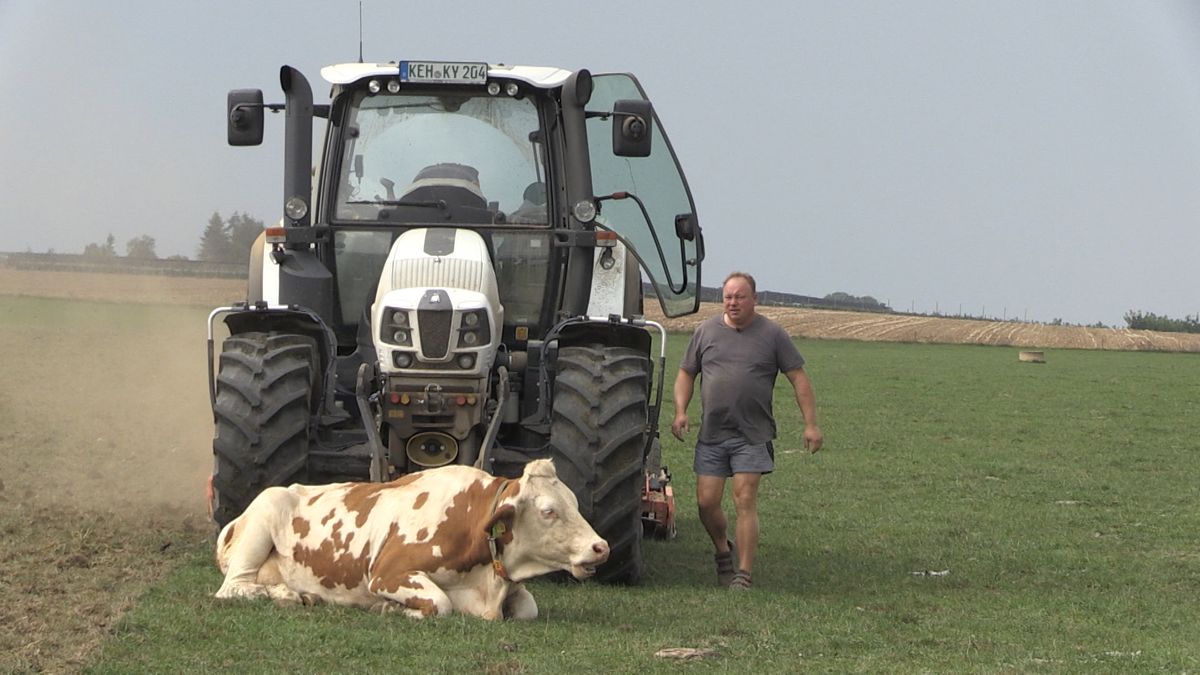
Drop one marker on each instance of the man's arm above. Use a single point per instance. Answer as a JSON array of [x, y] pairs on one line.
[[684, 384], [807, 401]]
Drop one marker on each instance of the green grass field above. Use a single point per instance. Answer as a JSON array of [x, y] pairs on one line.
[[1057, 504]]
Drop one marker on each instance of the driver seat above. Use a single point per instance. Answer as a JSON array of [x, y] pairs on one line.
[[455, 184]]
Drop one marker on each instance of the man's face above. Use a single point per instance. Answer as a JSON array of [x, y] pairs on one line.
[[739, 301]]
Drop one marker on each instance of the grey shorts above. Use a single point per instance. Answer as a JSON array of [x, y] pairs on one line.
[[734, 455]]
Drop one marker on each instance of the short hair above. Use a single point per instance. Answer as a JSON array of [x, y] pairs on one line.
[[749, 279]]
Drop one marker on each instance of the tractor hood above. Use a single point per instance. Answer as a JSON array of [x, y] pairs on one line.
[[437, 308]]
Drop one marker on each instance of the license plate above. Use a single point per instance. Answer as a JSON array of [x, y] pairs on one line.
[[441, 72]]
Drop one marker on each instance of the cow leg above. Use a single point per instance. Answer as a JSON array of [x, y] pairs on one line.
[[412, 593], [520, 605], [246, 545]]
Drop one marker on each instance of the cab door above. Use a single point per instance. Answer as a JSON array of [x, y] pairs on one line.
[[669, 245]]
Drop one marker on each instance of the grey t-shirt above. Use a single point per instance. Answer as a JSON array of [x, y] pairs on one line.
[[737, 370]]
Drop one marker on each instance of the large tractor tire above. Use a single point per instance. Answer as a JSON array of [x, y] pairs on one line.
[[265, 385], [597, 438]]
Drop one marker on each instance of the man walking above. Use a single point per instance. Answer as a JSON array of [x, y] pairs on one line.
[[738, 356]]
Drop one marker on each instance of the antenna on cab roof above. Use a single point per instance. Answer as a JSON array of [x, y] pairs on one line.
[[360, 58]]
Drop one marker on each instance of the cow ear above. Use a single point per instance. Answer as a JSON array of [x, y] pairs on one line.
[[501, 521]]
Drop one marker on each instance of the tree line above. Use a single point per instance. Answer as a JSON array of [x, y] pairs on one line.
[[225, 240], [1150, 321]]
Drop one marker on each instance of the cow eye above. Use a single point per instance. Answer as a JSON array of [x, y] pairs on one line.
[[548, 513]]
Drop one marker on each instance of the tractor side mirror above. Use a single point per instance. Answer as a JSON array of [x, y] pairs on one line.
[[633, 121], [244, 110], [685, 226], [687, 229]]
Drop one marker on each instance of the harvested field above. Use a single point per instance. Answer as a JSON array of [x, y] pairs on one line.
[[825, 324]]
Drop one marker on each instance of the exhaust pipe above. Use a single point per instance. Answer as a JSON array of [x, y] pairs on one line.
[[297, 147]]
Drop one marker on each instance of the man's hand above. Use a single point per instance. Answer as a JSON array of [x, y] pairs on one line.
[[813, 438], [680, 426]]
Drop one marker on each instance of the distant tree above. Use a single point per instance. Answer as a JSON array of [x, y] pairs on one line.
[[106, 250], [228, 240], [141, 247], [243, 230], [214, 243], [842, 299]]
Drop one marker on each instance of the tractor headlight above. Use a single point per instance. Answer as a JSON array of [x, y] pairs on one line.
[[402, 359], [466, 361], [473, 328], [295, 208], [396, 329], [584, 211]]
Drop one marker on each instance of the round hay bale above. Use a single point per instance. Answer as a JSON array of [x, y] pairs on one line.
[[1032, 357]]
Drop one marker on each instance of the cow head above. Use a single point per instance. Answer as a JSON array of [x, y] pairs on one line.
[[548, 533]]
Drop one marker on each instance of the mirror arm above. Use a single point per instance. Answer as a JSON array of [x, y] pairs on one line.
[[273, 107]]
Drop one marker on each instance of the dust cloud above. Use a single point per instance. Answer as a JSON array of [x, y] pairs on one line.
[[104, 406]]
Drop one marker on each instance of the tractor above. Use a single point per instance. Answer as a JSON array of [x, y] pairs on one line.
[[459, 279]]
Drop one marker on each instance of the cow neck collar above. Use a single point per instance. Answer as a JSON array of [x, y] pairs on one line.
[[496, 532]]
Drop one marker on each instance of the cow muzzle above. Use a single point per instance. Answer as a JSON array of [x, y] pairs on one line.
[[596, 556]]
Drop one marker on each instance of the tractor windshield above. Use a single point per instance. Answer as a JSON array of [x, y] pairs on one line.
[[444, 158]]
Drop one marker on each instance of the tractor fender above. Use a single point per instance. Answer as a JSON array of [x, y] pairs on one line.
[[612, 331], [262, 317], [606, 333]]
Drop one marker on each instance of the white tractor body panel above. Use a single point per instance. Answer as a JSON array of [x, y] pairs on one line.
[[609, 281], [270, 274]]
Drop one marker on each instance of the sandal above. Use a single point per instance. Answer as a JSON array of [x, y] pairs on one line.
[[725, 571], [740, 582]]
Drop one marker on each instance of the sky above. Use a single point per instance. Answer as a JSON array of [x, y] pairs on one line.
[[1030, 159]]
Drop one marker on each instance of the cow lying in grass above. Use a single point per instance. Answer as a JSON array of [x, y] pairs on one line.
[[433, 542]]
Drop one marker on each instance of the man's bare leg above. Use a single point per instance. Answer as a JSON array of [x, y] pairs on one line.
[[745, 500]]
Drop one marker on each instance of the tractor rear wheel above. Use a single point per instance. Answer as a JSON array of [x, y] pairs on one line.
[[597, 438], [265, 385]]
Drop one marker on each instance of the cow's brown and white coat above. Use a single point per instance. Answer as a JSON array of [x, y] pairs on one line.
[[418, 544]]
